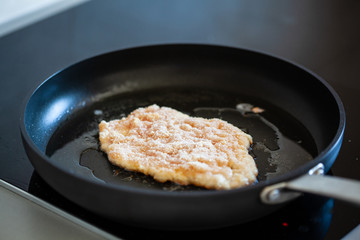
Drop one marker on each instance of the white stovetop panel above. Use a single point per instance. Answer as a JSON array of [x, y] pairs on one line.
[[15, 14]]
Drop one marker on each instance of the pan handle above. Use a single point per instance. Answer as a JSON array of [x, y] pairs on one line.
[[334, 187]]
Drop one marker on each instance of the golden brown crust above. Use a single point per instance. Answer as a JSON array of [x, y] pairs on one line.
[[172, 146]]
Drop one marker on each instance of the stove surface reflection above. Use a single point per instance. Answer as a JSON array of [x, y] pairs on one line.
[[308, 217]]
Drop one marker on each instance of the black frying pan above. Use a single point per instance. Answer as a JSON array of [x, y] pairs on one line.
[[300, 130]]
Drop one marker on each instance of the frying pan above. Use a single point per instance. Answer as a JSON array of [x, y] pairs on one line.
[[296, 138]]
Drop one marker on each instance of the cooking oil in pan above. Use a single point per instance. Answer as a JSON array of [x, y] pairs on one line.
[[76, 146], [274, 153]]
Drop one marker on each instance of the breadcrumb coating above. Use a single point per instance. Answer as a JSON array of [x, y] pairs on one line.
[[171, 146]]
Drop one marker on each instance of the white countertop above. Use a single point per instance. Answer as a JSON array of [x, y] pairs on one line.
[[24, 216], [15, 14]]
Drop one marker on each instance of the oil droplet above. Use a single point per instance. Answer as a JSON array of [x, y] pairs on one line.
[[128, 179], [244, 107], [98, 112], [116, 172]]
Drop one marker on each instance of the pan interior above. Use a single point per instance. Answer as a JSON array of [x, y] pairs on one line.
[[281, 142]]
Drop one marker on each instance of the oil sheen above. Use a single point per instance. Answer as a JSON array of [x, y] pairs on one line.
[[280, 142]]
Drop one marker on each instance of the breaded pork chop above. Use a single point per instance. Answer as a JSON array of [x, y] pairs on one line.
[[172, 146]]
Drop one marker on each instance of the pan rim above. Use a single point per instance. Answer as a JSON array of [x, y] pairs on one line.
[[111, 186]]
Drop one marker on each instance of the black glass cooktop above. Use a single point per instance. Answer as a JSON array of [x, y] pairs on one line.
[[321, 36], [309, 217]]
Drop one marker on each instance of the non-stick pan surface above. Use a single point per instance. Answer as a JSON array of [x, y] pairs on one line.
[[302, 125]]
